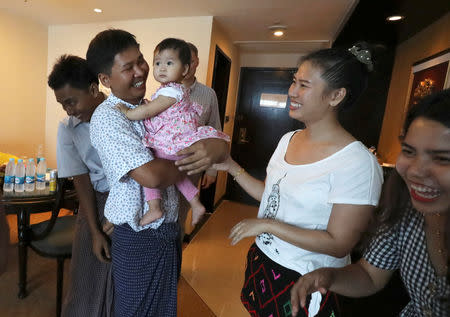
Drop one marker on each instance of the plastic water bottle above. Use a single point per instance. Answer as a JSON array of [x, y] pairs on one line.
[[40, 174], [20, 176], [8, 185], [30, 173], [39, 153]]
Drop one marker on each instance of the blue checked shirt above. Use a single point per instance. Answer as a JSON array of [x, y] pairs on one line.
[[75, 154], [118, 142]]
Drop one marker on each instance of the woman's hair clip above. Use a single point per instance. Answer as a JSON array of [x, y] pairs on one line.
[[363, 56]]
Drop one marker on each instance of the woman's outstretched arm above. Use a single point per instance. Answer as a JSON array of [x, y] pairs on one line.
[[355, 280], [254, 187]]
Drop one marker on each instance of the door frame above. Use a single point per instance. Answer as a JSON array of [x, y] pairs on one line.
[[238, 106], [218, 54]]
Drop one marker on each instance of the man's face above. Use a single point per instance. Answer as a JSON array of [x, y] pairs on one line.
[[193, 66], [76, 102], [128, 75]]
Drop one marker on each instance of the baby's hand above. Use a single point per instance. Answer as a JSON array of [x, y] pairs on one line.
[[122, 108]]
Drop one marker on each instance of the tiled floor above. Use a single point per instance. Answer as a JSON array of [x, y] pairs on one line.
[[41, 277], [212, 275], [212, 272], [214, 268]]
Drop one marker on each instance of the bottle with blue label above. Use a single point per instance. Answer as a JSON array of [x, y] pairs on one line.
[[30, 172], [8, 184], [39, 153], [40, 174], [19, 181]]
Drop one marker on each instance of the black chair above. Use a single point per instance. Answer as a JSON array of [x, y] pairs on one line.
[[53, 238]]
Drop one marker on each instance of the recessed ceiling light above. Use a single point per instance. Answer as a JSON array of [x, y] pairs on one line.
[[395, 18], [278, 33], [98, 10], [278, 29]]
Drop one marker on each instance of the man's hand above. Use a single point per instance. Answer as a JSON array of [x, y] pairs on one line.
[[108, 228], [101, 247], [201, 155]]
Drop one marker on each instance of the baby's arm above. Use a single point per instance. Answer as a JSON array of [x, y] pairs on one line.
[[147, 110]]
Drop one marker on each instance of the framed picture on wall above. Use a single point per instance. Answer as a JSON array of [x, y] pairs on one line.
[[429, 75]]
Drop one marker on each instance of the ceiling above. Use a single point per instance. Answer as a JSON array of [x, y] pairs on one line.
[[368, 21], [311, 24]]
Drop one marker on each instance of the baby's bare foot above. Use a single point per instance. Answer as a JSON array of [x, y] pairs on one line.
[[198, 210], [153, 213]]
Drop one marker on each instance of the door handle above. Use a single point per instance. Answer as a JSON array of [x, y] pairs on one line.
[[243, 136]]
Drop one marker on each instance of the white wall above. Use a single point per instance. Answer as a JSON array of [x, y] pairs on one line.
[[23, 65], [269, 60], [75, 38]]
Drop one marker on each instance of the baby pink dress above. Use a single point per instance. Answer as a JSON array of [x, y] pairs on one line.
[[177, 127]]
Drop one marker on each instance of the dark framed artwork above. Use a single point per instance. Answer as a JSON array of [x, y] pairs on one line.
[[428, 76]]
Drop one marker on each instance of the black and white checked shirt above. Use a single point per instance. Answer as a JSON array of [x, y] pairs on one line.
[[404, 247]]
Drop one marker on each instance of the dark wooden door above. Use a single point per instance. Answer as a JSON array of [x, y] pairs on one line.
[[261, 120], [221, 78]]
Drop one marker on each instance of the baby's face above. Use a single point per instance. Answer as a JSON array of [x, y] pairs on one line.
[[167, 67]]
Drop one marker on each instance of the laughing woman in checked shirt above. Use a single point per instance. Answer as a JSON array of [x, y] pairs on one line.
[[413, 227]]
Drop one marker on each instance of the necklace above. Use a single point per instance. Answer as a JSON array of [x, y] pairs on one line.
[[435, 229], [441, 249]]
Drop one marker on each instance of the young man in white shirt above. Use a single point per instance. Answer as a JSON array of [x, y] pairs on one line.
[[145, 258]]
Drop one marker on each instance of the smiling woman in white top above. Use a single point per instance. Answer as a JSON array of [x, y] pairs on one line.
[[320, 191]]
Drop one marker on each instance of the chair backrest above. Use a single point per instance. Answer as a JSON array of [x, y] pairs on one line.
[[63, 199]]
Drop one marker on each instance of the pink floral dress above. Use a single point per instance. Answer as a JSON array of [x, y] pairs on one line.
[[177, 127]]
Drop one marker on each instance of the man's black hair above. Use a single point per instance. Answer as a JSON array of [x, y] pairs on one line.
[[71, 70], [105, 46]]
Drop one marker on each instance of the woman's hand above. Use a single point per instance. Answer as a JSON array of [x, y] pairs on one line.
[[318, 280], [226, 165], [202, 154], [247, 228]]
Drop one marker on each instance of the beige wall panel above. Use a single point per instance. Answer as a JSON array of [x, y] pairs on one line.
[[431, 40], [221, 39], [23, 64]]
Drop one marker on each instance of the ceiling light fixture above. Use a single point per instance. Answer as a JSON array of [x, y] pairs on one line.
[[278, 29], [278, 33], [98, 10], [395, 18]]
